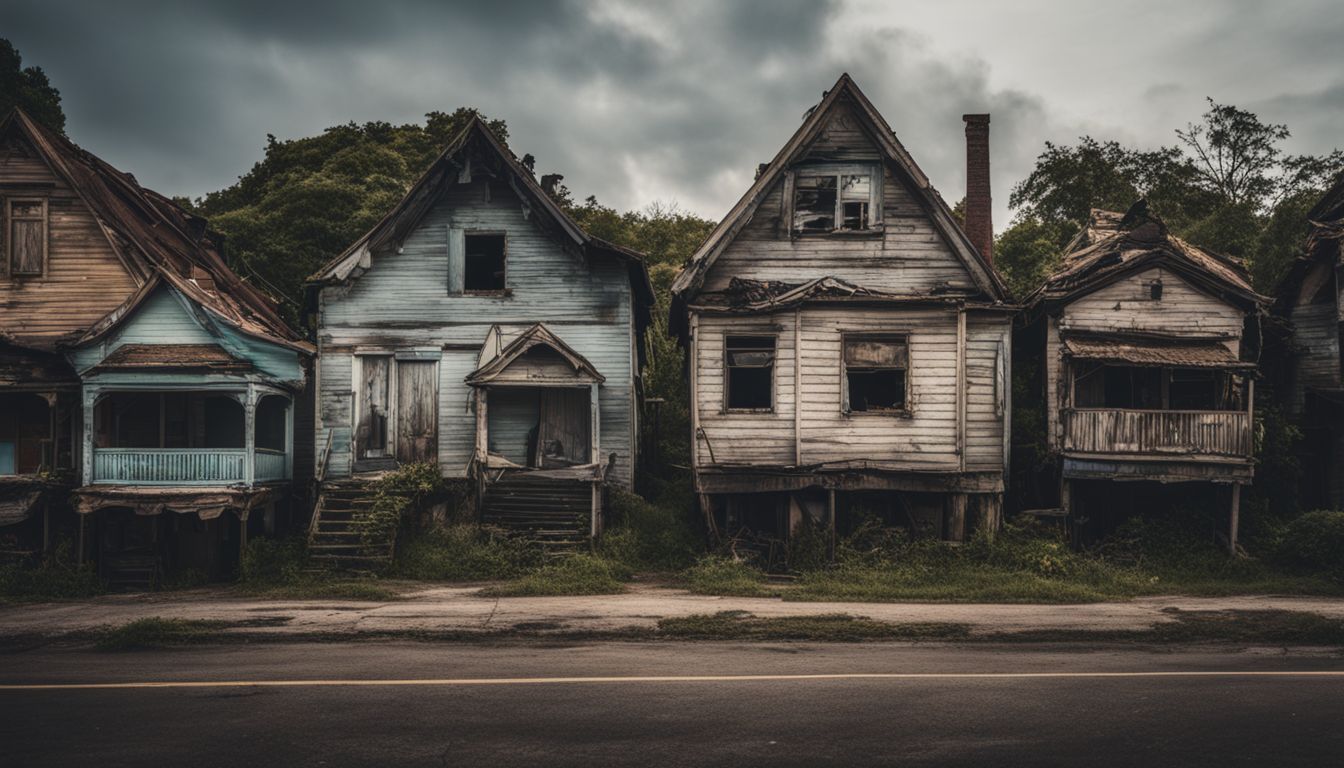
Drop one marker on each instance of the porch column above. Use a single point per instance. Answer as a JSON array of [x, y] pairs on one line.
[[86, 443], [289, 439], [830, 524], [1236, 519], [595, 449], [955, 517], [482, 439], [250, 436]]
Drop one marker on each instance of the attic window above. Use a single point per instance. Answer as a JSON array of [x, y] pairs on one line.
[[834, 201], [484, 263], [875, 374], [26, 236], [1155, 290], [751, 373]]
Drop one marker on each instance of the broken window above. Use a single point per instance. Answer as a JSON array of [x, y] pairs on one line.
[[27, 236], [1151, 389], [484, 267], [875, 374], [1194, 390], [832, 201], [751, 373]]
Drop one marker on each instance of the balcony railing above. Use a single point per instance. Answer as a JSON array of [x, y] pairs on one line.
[[184, 466], [1175, 434]]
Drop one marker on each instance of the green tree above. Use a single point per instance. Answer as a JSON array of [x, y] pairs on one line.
[[29, 88]]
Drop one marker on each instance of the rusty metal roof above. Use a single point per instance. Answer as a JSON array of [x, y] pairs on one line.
[[179, 357], [1210, 353]]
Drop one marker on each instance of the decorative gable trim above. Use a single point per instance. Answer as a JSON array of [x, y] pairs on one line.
[[536, 336]]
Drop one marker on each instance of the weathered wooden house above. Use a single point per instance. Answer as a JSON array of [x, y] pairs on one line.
[[1149, 367], [145, 385], [848, 343], [478, 327], [1310, 376]]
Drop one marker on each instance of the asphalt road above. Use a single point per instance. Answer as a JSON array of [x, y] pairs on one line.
[[751, 705]]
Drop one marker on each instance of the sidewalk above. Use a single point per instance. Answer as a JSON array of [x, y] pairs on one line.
[[458, 609]]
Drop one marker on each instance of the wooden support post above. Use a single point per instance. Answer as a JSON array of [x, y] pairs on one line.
[[1236, 519], [46, 525], [955, 517], [797, 387], [707, 510], [830, 524], [250, 435], [989, 513], [90, 398], [595, 522], [961, 390], [289, 439], [242, 532], [81, 537], [595, 402]]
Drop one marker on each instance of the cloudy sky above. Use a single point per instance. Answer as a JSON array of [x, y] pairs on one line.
[[675, 102]]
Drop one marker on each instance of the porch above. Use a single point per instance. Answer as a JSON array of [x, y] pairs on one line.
[[177, 437], [1189, 435]]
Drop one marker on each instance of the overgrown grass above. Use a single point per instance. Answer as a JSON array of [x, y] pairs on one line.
[[650, 535], [739, 625], [464, 552], [1023, 564], [276, 569], [572, 575], [57, 577], [155, 632]]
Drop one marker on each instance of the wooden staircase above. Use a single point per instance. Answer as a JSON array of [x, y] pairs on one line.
[[336, 535], [131, 573], [555, 513]]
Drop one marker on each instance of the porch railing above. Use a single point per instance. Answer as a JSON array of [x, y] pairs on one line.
[[184, 466], [1217, 434]]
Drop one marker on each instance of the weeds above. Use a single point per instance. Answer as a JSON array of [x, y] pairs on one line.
[[573, 575], [464, 553], [842, 628], [277, 569], [155, 632], [716, 575], [57, 577]]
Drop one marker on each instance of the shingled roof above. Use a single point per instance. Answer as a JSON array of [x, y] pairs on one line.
[[157, 241], [1112, 245]]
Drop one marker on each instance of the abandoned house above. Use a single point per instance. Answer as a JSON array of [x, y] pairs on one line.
[[1310, 379], [848, 342], [147, 388], [477, 326], [1149, 370]]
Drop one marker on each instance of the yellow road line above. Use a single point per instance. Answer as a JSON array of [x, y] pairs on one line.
[[499, 681]]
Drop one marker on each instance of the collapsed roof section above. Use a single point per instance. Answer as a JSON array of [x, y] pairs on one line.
[[1112, 245], [1322, 247], [155, 239], [895, 156]]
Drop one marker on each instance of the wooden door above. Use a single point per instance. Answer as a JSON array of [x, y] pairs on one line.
[[417, 411], [563, 428], [371, 435]]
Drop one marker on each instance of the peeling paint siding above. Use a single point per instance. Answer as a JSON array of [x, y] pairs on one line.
[[1316, 336], [403, 301], [1126, 306], [925, 440], [84, 279]]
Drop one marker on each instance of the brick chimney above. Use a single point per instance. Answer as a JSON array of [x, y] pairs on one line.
[[979, 223]]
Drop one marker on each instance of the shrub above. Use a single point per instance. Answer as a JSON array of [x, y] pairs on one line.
[[275, 561], [408, 488], [718, 575], [56, 577], [1313, 542], [573, 575], [645, 535], [464, 553]]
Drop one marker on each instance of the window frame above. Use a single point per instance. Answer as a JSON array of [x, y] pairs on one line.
[[774, 370], [874, 172], [9, 202], [903, 336], [503, 235]]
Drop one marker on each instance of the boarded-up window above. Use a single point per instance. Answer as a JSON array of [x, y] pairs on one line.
[[832, 201], [374, 398], [875, 374], [484, 263], [750, 373], [27, 236]]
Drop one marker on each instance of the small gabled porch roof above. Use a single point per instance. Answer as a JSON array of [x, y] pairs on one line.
[[497, 369]]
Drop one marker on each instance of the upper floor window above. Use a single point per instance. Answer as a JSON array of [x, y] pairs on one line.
[[835, 200], [26, 236], [484, 267], [875, 374], [750, 376]]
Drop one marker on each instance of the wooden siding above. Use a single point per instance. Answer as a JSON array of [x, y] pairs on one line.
[[84, 278], [1316, 340], [1177, 434], [925, 439], [403, 302]]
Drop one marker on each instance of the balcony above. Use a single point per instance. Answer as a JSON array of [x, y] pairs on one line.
[[1209, 435], [185, 466]]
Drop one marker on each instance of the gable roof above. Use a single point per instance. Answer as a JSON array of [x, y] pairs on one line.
[[155, 239], [1112, 245], [450, 164], [537, 335], [897, 158], [1322, 246]]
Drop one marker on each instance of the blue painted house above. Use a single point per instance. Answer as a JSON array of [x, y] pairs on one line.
[[149, 389], [477, 326]]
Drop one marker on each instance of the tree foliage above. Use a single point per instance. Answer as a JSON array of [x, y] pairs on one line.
[[28, 88]]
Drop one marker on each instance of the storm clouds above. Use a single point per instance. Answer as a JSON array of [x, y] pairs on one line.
[[675, 102]]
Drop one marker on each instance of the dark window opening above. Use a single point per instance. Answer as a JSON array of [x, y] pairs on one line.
[[855, 192], [484, 268], [168, 420], [751, 372], [1155, 290], [875, 375], [814, 204], [270, 423], [1152, 389], [27, 236], [1194, 390]]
